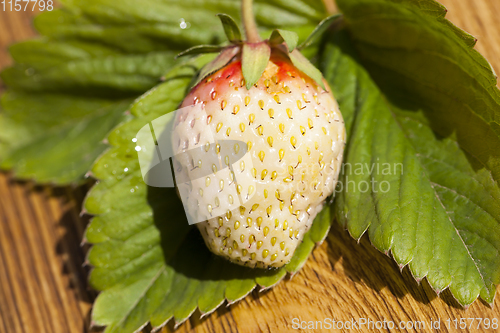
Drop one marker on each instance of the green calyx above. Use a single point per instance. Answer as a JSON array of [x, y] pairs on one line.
[[254, 53]]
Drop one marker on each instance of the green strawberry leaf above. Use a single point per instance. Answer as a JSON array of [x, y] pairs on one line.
[[59, 142], [70, 87], [59, 110], [217, 63], [421, 171], [148, 263], [280, 36], [305, 66], [231, 29], [320, 29], [254, 59], [200, 49]]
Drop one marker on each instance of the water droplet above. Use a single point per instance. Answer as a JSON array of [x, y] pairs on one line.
[[183, 24]]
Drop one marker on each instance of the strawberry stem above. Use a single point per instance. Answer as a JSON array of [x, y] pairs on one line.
[[330, 7], [251, 31]]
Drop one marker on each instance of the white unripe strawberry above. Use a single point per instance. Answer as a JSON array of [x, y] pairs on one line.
[[256, 208]]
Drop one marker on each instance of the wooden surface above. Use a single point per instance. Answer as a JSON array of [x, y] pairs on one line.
[[43, 286]]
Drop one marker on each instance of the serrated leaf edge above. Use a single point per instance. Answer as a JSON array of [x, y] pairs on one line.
[[469, 42]]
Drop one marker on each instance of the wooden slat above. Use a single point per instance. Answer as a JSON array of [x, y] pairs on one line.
[[43, 285]]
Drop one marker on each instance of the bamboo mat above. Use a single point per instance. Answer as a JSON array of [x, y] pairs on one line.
[[43, 285]]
